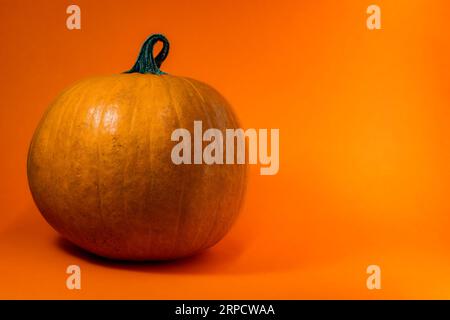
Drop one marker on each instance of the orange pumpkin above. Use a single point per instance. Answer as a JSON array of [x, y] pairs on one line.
[[100, 168]]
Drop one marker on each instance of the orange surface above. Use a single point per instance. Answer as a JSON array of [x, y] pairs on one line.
[[364, 144]]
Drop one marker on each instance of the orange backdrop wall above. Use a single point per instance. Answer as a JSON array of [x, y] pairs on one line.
[[364, 119]]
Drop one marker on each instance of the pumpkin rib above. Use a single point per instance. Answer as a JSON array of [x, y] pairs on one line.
[[207, 114], [99, 168], [124, 177], [218, 200], [116, 89], [95, 125], [150, 166], [183, 180], [187, 213], [120, 191], [232, 119], [138, 105], [180, 213], [199, 104], [70, 134], [98, 171], [54, 135], [217, 217], [146, 147], [200, 101]]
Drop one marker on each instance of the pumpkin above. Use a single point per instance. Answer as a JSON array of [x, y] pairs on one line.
[[100, 169]]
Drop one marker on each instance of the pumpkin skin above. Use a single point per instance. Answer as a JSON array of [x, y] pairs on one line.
[[100, 168]]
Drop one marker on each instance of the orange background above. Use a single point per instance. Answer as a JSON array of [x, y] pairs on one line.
[[364, 144]]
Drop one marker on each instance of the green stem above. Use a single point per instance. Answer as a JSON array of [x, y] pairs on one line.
[[145, 62]]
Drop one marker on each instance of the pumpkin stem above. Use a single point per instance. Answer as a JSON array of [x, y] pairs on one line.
[[145, 62]]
